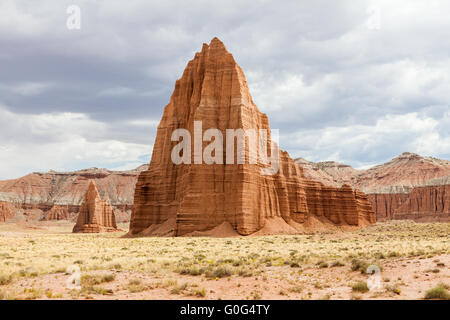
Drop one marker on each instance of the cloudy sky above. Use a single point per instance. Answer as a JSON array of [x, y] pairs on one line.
[[353, 81]]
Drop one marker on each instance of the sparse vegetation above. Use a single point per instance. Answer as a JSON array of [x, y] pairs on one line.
[[394, 289], [33, 293], [5, 279], [294, 262], [359, 265], [218, 272], [360, 287], [440, 292], [296, 289], [90, 280], [200, 292], [177, 289], [135, 285], [337, 264]]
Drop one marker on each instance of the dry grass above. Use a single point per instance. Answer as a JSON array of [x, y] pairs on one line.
[[360, 287], [440, 292], [35, 253], [39, 253]]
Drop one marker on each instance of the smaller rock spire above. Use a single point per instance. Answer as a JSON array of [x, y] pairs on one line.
[[96, 215]]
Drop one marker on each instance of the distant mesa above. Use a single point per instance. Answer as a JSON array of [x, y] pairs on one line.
[[95, 215], [215, 199], [58, 195], [409, 186]]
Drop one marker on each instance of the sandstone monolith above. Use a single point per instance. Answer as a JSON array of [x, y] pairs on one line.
[[96, 215], [183, 199]]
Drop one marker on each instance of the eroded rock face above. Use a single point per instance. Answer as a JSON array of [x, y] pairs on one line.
[[330, 173], [8, 211], [428, 203], [397, 188], [95, 215], [402, 174], [58, 213], [384, 204], [399, 175], [41, 192], [184, 199]]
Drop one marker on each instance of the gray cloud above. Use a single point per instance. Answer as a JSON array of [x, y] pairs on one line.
[[315, 68]]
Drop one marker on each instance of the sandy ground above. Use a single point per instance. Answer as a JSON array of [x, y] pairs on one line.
[[412, 276], [404, 277]]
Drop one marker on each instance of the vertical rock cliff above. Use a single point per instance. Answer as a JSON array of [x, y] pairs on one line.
[[409, 186], [384, 204], [179, 199], [427, 203]]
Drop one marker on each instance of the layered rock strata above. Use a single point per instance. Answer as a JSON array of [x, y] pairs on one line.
[[96, 215], [428, 203], [182, 199], [47, 196], [58, 213], [407, 187]]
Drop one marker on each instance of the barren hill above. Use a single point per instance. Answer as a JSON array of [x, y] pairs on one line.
[[408, 178]]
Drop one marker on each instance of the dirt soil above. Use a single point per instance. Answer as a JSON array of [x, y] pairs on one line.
[[403, 275]]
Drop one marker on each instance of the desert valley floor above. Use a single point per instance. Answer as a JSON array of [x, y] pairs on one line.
[[413, 258]]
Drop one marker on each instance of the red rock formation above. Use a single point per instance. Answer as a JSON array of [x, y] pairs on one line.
[[44, 191], [186, 199], [96, 215], [58, 213], [402, 173], [428, 203], [398, 175], [390, 185], [122, 213], [8, 211], [330, 173], [384, 204], [340, 205]]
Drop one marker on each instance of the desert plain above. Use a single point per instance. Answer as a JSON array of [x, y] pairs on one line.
[[38, 261]]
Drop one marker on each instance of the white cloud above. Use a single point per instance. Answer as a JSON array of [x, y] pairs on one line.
[[60, 141], [412, 132], [18, 20], [150, 123], [127, 166], [435, 142], [338, 97], [291, 94]]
